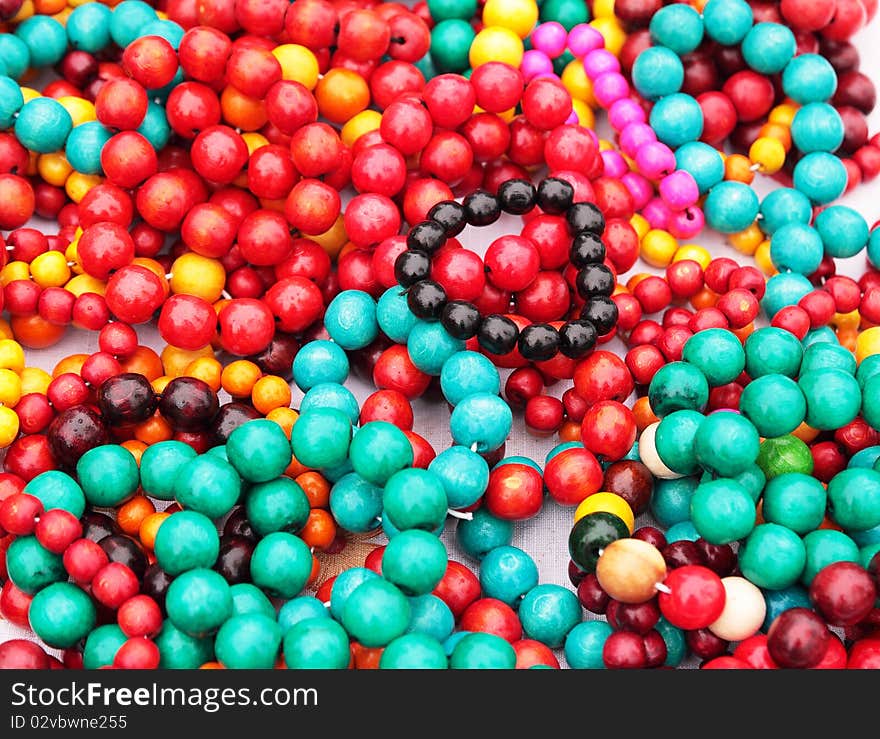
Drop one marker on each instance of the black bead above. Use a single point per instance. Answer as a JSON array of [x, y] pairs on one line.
[[576, 338], [426, 299], [497, 334], [411, 266], [601, 311], [585, 217], [539, 342], [156, 584], [189, 403], [238, 524], [586, 248], [125, 550], [126, 398], [482, 208], [97, 526], [230, 417], [594, 279], [517, 196], [427, 236], [460, 319], [234, 559], [450, 215], [555, 195]]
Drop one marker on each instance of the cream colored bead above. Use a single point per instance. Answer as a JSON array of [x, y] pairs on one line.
[[744, 610], [649, 456]]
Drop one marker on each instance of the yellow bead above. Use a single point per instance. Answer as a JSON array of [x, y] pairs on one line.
[[8, 426], [694, 253], [24, 12], [11, 355], [640, 224], [54, 168], [284, 417], [586, 116], [358, 125], [603, 8], [608, 503], [207, 369], [747, 241], [606, 145], [77, 3], [496, 44], [332, 240], [50, 269], [80, 110], [176, 360], [270, 392], [10, 388], [868, 343], [507, 115], [520, 16], [86, 284], [193, 274], [298, 64], [762, 258], [579, 86], [78, 184], [254, 141], [847, 321], [612, 32], [768, 153], [35, 380], [71, 254], [29, 93], [783, 114], [156, 268], [658, 247], [14, 271], [62, 15]]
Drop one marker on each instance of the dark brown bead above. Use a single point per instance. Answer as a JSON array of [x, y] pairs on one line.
[[156, 583], [632, 481], [97, 526], [125, 550], [238, 525], [73, 432], [229, 418], [126, 398], [189, 404], [234, 560]]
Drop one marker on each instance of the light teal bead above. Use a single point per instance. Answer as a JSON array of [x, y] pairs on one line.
[[413, 652], [507, 574], [518, 459], [160, 464], [355, 503], [31, 567], [678, 27], [821, 335], [464, 475], [430, 616], [331, 395], [350, 319], [866, 538], [548, 612], [558, 449], [186, 540], [731, 207], [321, 438], [43, 125], [844, 231], [867, 368], [61, 614], [180, 651], [450, 41], [796, 248], [722, 511], [727, 21], [817, 127], [344, 585], [870, 395], [316, 644], [675, 438], [773, 350], [390, 530], [784, 289], [166, 29], [128, 18], [671, 500], [155, 127], [208, 485], [466, 373], [866, 457], [429, 346], [281, 564], [657, 72], [820, 176], [161, 94], [768, 47], [415, 499], [258, 450], [867, 553], [678, 386], [682, 531], [108, 475], [703, 162], [825, 355], [753, 480], [15, 54], [299, 609], [425, 65], [483, 533], [415, 561], [809, 78], [481, 419], [88, 27], [451, 643], [584, 645], [85, 142], [375, 613], [481, 651], [248, 642], [11, 101], [773, 557], [874, 247], [56, 489], [45, 38], [394, 316], [317, 362], [198, 601], [781, 206], [784, 599], [102, 645], [336, 473], [277, 505], [824, 547], [833, 398], [378, 450], [854, 497], [774, 404], [718, 353], [678, 119], [248, 598]]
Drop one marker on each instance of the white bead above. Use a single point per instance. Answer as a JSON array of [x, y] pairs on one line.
[[649, 456], [744, 610]]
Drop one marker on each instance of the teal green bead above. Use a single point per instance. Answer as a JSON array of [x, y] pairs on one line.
[[198, 601], [817, 127], [61, 614], [321, 438], [773, 557], [335, 474], [415, 561], [375, 613], [833, 398], [160, 465], [809, 78], [331, 395], [784, 454], [128, 18], [753, 480], [674, 441], [796, 501], [180, 651], [57, 489], [390, 530], [319, 361], [825, 547], [11, 100], [874, 248], [727, 21], [155, 127], [413, 652], [854, 498], [45, 38], [796, 248], [394, 316], [718, 354], [316, 644], [871, 401], [450, 43], [866, 554], [821, 335], [277, 505], [678, 119], [442, 10], [784, 599], [868, 368], [786, 288], [781, 206], [558, 449], [186, 540], [825, 355], [481, 419], [464, 475], [591, 534], [88, 27], [678, 386], [730, 206], [425, 65], [820, 176], [31, 566], [249, 599], [866, 457], [258, 450], [281, 564], [673, 638], [356, 504], [567, 13], [726, 443], [101, 646], [350, 319], [774, 404], [451, 643], [682, 531], [299, 609], [657, 72], [480, 651], [378, 450], [722, 511], [866, 538], [507, 574], [671, 500], [548, 612], [430, 616], [844, 231], [584, 645], [344, 585], [415, 499], [108, 475], [429, 346], [527, 461], [15, 54], [702, 162], [466, 373], [560, 62], [248, 642], [768, 47], [773, 351], [160, 95], [208, 485], [677, 27], [43, 125], [482, 534], [166, 29]]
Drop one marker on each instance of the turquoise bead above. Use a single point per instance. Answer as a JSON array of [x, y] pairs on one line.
[[431, 617], [31, 567], [796, 248], [62, 614], [774, 404], [180, 651], [46, 40], [731, 207], [784, 599], [56, 489], [722, 511], [198, 601], [316, 644], [558, 449], [483, 533], [108, 475], [825, 355], [101, 646], [128, 18], [820, 176], [784, 289], [682, 531], [442, 10], [854, 496], [768, 47], [702, 162], [507, 574], [415, 499], [248, 642], [394, 316], [258, 450], [657, 72], [88, 27], [781, 206], [678, 386], [160, 465], [773, 557], [317, 362], [331, 395], [753, 480], [548, 612], [870, 402], [466, 373], [186, 540], [673, 638], [413, 652], [874, 248], [166, 29], [277, 505], [336, 473], [161, 94], [390, 530], [43, 125], [584, 645], [451, 643], [15, 54], [817, 127], [678, 119], [321, 437], [344, 585], [567, 13], [415, 561], [678, 27], [155, 127], [247, 599], [866, 538], [671, 501], [299, 609], [350, 319], [11, 101], [866, 457], [821, 335], [844, 231], [375, 613], [674, 441], [867, 553], [464, 475], [824, 547], [281, 564], [429, 346], [718, 353], [833, 398], [809, 78], [773, 351], [378, 450], [450, 41], [480, 651], [727, 21], [208, 485], [425, 65], [796, 501], [481, 419], [527, 461], [867, 368], [355, 503]]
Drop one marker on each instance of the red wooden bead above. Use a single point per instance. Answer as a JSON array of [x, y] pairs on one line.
[[458, 588], [57, 529], [515, 492], [696, 599], [83, 560], [139, 616], [609, 429], [19, 514], [572, 475], [492, 616]]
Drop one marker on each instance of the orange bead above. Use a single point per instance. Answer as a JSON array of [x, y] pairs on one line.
[[144, 361], [805, 433], [132, 513], [320, 529], [136, 448], [295, 468], [35, 332], [349, 246], [160, 383], [743, 333], [827, 523], [154, 429], [316, 571], [239, 377], [635, 280], [241, 111], [570, 431], [207, 369], [212, 666], [157, 269], [316, 488], [705, 298], [738, 168], [341, 94], [175, 360], [284, 417], [643, 413], [776, 131], [72, 363], [270, 392], [49, 7], [149, 526], [366, 658], [759, 513], [848, 338]]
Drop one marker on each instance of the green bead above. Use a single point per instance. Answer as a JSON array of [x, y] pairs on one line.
[[854, 498], [316, 644], [726, 443], [208, 485], [833, 398], [784, 454], [413, 652], [825, 355], [548, 612], [61, 614], [31, 566], [376, 613], [442, 10], [247, 599], [259, 450], [101, 646], [415, 499], [753, 480], [591, 534], [774, 404], [248, 642], [300, 609], [718, 353], [450, 43], [480, 651], [160, 464], [773, 557], [185, 541], [678, 386], [57, 490], [796, 501], [773, 350], [675, 441], [180, 651], [566, 12], [344, 585], [824, 547], [281, 564], [198, 601], [320, 438], [278, 505], [378, 450], [108, 475], [415, 561], [722, 511]]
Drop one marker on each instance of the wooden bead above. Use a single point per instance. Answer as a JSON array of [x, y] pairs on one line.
[[629, 570], [649, 456], [744, 610]]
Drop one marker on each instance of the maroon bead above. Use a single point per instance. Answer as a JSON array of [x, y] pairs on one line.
[[651, 535], [522, 385], [655, 649], [624, 650], [575, 574], [277, 358], [234, 560], [797, 638], [704, 644], [97, 526], [681, 553], [189, 404], [720, 558], [843, 592], [156, 583], [126, 398], [591, 595], [74, 432], [126, 551], [638, 617]]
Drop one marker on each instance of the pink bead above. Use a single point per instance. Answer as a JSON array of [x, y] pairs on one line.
[[655, 160], [599, 62], [634, 136], [657, 213], [687, 223], [550, 38], [679, 190], [624, 112], [639, 187], [615, 165], [609, 88], [583, 38], [572, 119], [535, 63]]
